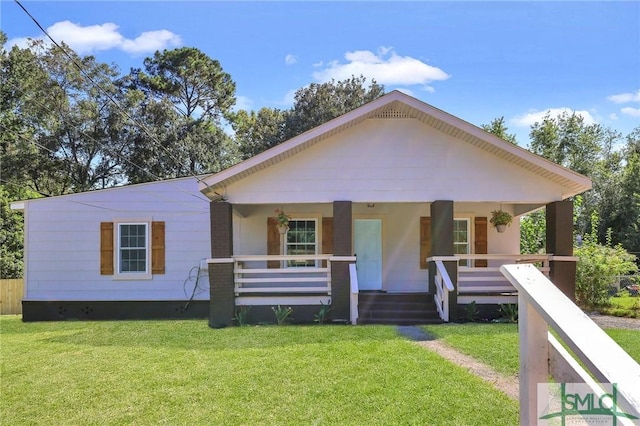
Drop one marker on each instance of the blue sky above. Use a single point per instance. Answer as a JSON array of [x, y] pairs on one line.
[[477, 60]]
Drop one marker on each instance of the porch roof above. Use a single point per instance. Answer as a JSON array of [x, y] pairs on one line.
[[399, 105]]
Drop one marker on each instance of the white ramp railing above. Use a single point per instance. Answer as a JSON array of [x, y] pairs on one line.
[[443, 285], [542, 305], [353, 278]]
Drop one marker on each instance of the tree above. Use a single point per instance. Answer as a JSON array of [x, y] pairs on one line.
[[57, 111], [314, 105], [194, 83], [627, 214], [180, 101], [533, 237], [498, 128], [11, 231], [320, 102], [256, 132], [585, 148]]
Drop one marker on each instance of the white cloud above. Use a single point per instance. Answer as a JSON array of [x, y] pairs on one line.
[[290, 59], [243, 102], [150, 41], [386, 67], [613, 116], [84, 40], [625, 97], [530, 118], [633, 112]]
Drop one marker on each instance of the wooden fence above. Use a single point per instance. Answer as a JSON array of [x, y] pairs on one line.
[[11, 296]]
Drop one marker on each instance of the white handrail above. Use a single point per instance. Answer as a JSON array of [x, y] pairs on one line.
[[353, 279], [446, 280], [540, 305], [443, 285]]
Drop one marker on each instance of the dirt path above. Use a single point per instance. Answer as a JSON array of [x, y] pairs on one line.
[[508, 385]]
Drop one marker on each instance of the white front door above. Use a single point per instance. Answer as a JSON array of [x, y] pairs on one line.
[[368, 249]]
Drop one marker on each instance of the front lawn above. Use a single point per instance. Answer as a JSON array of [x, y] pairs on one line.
[[497, 344], [622, 305], [183, 372]]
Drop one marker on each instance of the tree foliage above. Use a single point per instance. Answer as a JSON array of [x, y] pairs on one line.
[[313, 105], [499, 128], [179, 103], [319, 103], [258, 131], [56, 121]]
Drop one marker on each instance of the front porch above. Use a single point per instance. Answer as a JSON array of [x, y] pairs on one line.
[[401, 248], [307, 289]]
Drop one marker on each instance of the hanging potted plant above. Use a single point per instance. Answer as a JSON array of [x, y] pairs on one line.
[[282, 220], [500, 219]]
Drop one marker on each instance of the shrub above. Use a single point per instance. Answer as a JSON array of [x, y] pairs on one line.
[[597, 265]]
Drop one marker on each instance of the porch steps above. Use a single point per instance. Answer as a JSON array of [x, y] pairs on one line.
[[397, 308]]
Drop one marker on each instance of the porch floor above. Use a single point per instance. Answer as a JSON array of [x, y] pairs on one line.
[[396, 308]]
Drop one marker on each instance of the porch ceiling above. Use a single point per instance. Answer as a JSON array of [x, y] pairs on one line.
[[397, 105]]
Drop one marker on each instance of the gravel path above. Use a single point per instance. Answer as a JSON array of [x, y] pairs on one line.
[[605, 321]]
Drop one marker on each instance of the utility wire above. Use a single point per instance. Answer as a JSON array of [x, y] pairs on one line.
[[49, 195], [103, 145], [105, 92]]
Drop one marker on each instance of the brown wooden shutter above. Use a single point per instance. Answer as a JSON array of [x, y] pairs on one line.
[[327, 237], [480, 245], [273, 242], [425, 241], [106, 248], [157, 248]]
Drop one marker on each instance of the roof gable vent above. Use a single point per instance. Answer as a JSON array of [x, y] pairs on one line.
[[392, 113]]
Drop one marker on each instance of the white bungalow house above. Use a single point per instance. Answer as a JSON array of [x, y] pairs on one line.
[[398, 188]]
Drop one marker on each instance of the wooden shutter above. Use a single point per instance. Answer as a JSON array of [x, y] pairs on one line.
[[273, 242], [106, 248], [157, 248], [327, 237], [480, 244], [425, 241]]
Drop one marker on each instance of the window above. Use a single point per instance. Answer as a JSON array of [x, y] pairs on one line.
[[461, 239], [133, 251], [301, 240]]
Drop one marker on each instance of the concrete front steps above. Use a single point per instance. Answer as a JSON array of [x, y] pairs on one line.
[[397, 308]]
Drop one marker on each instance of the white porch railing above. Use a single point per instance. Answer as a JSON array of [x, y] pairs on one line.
[[542, 305], [474, 281], [257, 284], [484, 284]]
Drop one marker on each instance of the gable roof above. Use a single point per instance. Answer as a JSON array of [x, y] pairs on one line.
[[399, 105]]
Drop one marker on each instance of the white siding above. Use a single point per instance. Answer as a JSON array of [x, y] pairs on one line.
[[63, 240], [392, 160]]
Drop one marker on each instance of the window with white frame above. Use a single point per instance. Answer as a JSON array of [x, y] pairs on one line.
[[133, 248], [301, 239], [461, 242]]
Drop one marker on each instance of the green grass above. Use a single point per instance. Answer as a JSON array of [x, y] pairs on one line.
[[183, 372], [497, 344], [622, 306], [493, 344]]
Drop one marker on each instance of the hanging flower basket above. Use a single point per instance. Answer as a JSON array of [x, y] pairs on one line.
[[500, 220], [282, 220]]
